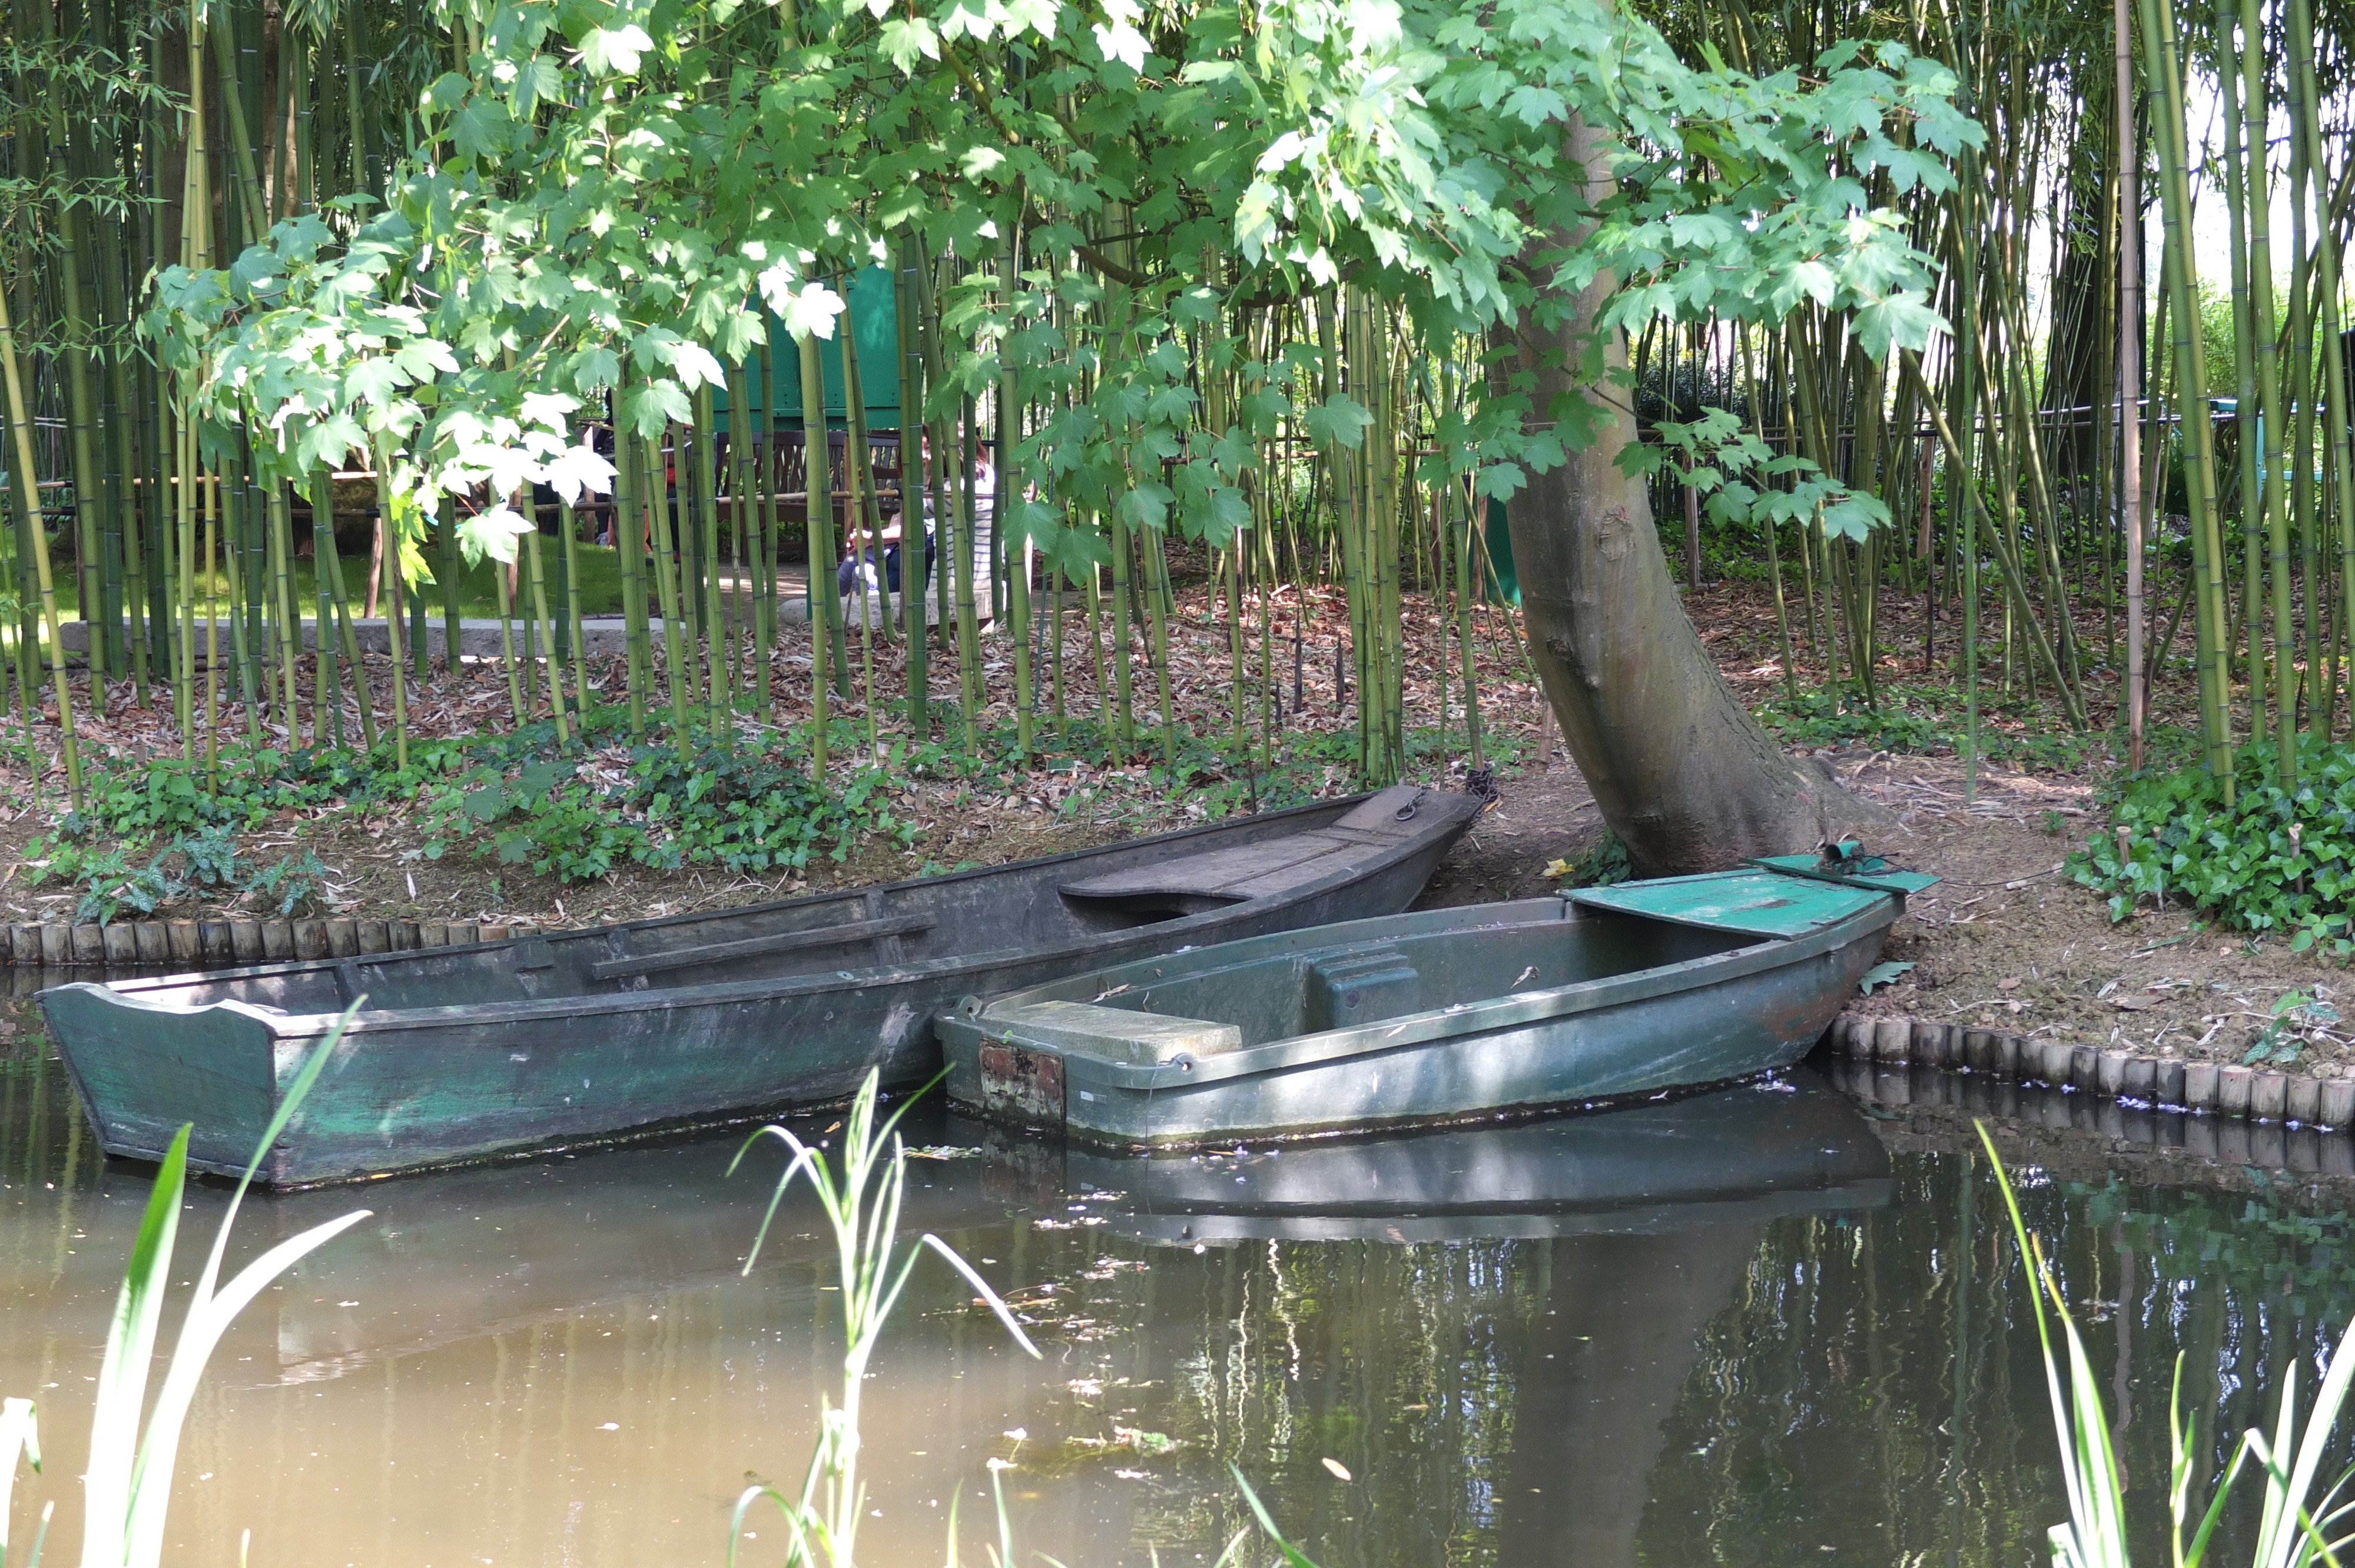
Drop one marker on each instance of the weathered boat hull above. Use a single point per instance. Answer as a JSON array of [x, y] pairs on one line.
[[544, 1043], [1451, 1015]]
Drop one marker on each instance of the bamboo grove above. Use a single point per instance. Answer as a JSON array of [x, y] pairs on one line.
[[1233, 288]]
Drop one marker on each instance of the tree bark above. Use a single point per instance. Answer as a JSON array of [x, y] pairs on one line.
[[1681, 772]]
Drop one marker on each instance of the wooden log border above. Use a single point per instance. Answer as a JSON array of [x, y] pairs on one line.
[[2209, 1088], [221, 944]]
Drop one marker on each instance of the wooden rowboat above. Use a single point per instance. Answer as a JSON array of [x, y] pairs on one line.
[[1453, 1015], [462, 1052]]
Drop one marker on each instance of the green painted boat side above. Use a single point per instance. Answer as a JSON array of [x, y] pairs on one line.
[[583, 1037], [1449, 1015]]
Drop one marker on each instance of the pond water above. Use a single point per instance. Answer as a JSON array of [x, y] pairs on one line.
[[1749, 1327]]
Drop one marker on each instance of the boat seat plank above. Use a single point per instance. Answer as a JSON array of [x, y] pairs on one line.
[[1241, 872], [1123, 1033], [760, 946], [1757, 903], [1216, 873]]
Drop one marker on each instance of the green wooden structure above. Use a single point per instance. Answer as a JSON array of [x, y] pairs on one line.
[[876, 324]]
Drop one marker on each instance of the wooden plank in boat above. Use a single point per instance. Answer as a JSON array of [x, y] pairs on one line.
[[759, 946]]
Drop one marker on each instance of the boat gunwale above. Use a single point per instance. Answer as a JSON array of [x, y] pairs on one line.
[[286, 1026], [1462, 1021]]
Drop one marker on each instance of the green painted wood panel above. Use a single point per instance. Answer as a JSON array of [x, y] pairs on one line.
[[878, 325], [1761, 903]]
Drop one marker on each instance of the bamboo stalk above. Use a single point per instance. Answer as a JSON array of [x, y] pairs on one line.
[[20, 424], [629, 525], [326, 693], [543, 630], [2191, 386], [1013, 541], [389, 505], [517, 710], [2329, 264], [867, 521], [915, 551], [666, 589], [2130, 318], [818, 484]]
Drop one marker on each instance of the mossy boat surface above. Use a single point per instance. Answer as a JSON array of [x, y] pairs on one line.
[[1449, 1015], [462, 1052]]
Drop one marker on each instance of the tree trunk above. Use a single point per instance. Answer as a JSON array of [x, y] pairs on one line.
[[1681, 772]]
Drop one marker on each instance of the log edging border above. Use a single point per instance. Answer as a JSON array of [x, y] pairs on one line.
[[2206, 1088], [224, 943]]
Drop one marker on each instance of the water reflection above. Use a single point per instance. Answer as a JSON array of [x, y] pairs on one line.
[[1734, 1329], [1743, 1156]]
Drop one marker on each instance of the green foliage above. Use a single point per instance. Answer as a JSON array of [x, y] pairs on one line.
[[165, 796], [751, 807], [859, 1193], [1889, 971], [1600, 865], [205, 865], [1740, 473], [600, 200], [1817, 717], [2283, 1036], [2269, 862], [149, 835], [1919, 719]]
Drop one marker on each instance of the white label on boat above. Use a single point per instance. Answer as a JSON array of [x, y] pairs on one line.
[[1087, 1096]]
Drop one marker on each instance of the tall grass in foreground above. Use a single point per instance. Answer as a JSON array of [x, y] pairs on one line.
[[128, 1485], [2294, 1528], [859, 1193]]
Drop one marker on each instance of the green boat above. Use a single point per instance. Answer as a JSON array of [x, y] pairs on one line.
[[1605, 995], [464, 1053]]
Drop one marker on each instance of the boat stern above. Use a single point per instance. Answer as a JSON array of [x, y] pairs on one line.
[[143, 1070]]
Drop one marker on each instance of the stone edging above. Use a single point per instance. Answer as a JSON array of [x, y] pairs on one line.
[[216, 944], [2211, 1088]]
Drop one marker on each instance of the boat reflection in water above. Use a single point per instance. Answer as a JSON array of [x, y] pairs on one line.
[[1650, 1218], [1744, 1155]]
